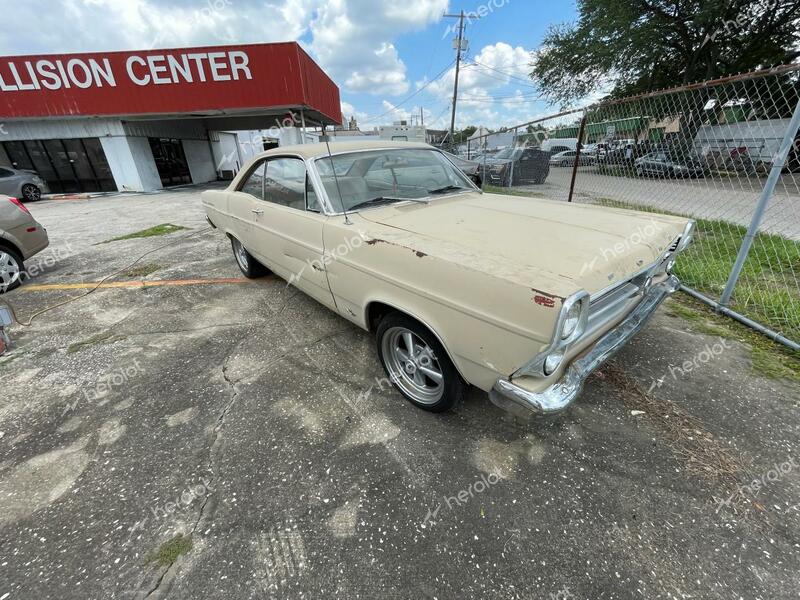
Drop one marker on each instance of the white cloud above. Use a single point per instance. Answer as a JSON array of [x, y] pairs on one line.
[[353, 40], [485, 89], [498, 65], [98, 25]]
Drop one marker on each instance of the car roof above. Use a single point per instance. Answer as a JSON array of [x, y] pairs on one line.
[[321, 149]]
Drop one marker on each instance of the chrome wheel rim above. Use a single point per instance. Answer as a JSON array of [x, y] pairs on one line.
[[241, 255], [9, 271], [31, 192], [413, 365]]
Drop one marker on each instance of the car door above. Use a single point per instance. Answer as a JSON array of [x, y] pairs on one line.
[[243, 205], [287, 228]]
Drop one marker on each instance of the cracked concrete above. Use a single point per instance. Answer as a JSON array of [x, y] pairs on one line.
[[254, 425]]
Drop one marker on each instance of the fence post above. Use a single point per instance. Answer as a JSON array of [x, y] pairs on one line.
[[766, 195], [578, 148]]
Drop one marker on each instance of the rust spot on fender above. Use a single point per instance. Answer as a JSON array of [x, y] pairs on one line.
[[376, 241]]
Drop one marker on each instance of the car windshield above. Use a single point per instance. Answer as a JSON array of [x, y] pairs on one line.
[[384, 176]]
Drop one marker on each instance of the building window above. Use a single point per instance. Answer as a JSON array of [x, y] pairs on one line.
[[70, 165]]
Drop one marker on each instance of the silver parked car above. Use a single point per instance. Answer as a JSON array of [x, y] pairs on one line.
[[25, 185], [21, 236], [567, 159]]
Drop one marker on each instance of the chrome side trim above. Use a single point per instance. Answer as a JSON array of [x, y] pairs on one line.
[[560, 395]]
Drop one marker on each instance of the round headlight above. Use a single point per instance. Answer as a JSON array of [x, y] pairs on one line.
[[572, 320], [552, 362]]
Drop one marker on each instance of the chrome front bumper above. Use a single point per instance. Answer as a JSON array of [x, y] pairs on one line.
[[556, 398]]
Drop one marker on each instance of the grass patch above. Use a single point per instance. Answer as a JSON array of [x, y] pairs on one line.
[[142, 271], [170, 550], [163, 229], [491, 189], [769, 359], [101, 338], [767, 291]]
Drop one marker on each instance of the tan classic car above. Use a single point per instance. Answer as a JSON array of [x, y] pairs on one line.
[[520, 297]]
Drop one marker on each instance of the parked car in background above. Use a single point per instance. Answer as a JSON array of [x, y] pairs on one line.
[[567, 159], [470, 168], [516, 166], [21, 236], [555, 145], [25, 185], [508, 294], [595, 150], [663, 163]]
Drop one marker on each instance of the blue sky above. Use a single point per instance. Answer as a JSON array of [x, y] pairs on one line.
[[518, 23], [379, 52]]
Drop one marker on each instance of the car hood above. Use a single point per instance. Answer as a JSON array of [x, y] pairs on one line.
[[549, 246], [497, 161]]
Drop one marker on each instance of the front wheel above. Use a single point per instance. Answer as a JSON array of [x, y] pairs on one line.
[[247, 264], [418, 365], [31, 193]]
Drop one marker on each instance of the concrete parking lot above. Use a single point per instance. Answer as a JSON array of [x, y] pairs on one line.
[[184, 433]]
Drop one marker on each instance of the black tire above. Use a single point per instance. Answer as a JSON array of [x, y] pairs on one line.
[[31, 193], [452, 388], [10, 257], [249, 266]]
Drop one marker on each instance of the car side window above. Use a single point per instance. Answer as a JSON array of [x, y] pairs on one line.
[[285, 182], [312, 201], [5, 172], [254, 185]]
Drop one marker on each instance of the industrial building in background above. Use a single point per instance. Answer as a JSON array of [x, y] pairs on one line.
[[145, 120]]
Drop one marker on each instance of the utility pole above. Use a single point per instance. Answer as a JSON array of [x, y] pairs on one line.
[[459, 49]]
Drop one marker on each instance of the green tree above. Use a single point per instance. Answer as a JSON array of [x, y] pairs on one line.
[[464, 134], [634, 46]]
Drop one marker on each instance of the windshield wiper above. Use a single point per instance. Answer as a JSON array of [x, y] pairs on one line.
[[378, 200], [447, 188]]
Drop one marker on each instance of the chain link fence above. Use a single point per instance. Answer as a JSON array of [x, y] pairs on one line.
[[723, 152]]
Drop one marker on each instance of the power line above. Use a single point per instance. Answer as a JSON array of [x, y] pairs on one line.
[[507, 74], [399, 104], [490, 97], [504, 79]]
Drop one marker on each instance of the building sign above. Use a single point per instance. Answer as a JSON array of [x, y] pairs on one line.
[[226, 79], [155, 69]]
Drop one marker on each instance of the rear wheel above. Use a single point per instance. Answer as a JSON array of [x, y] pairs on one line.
[[31, 193], [11, 269], [418, 365], [247, 264]]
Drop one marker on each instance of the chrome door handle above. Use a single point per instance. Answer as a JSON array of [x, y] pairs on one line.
[[257, 211]]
